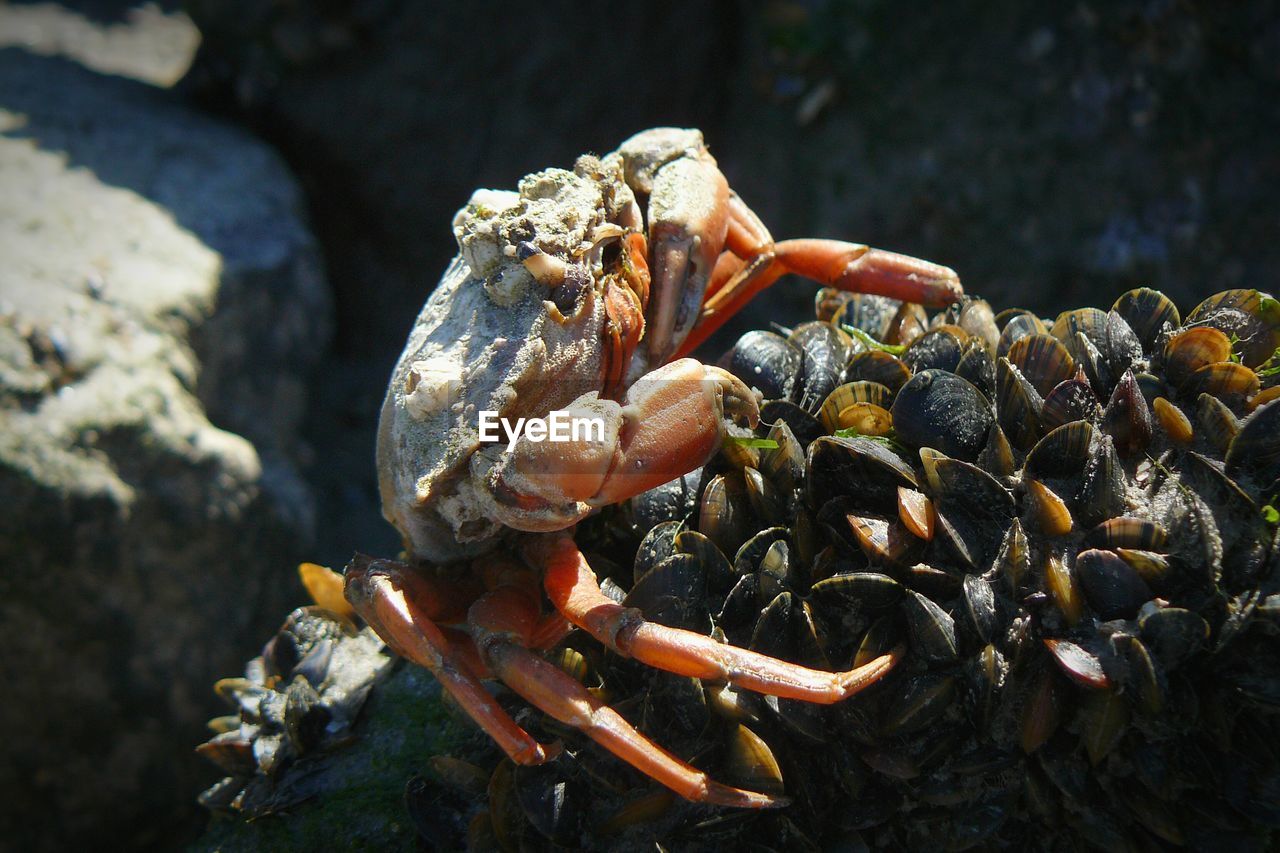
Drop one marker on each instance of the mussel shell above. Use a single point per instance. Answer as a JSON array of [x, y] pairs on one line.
[[1152, 567], [672, 593], [1063, 452], [724, 515], [1103, 484], [972, 509], [881, 637], [1252, 317], [1216, 425], [1254, 454], [438, 812], [1013, 560], [554, 803], [877, 366], [1104, 720], [776, 569], [1127, 532], [305, 717], [884, 538], [980, 606], [919, 702], [1047, 509], [1191, 349], [1063, 587], [749, 557], [868, 313], [1120, 346], [767, 502], [977, 367], [1069, 400], [909, 323], [774, 632], [825, 350], [1176, 425], [847, 406], [750, 764], [1173, 635], [1142, 678], [1110, 585], [827, 301], [1019, 405], [1232, 383], [231, 752], [979, 321], [857, 592], [803, 425], [1148, 312], [1081, 665], [939, 349], [672, 501], [1043, 360], [719, 572], [766, 361], [1091, 322], [1127, 417], [783, 465], [658, 544], [1018, 326], [940, 410], [861, 467], [1091, 362], [930, 629]]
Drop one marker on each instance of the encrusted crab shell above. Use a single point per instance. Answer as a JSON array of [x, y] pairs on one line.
[[490, 339]]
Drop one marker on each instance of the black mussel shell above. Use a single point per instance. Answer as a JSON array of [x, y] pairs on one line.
[[940, 410]]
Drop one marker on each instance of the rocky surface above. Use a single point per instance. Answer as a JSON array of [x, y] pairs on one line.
[[160, 302]]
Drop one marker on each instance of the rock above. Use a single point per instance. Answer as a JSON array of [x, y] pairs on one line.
[[161, 299]]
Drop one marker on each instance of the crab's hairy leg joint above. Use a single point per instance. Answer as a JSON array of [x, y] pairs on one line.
[[502, 627], [378, 594], [573, 589]]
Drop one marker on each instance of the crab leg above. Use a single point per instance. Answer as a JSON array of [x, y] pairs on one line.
[[379, 590], [847, 266], [572, 587], [502, 621]]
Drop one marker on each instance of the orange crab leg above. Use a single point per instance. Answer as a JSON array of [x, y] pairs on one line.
[[377, 589], [573, 589], [846, 266], [502, 621], [747, 235]]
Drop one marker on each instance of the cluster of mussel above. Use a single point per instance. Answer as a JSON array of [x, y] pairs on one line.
[[295, 702], [1071, 528]]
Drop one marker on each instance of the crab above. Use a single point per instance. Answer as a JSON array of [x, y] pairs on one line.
[[583, 292]]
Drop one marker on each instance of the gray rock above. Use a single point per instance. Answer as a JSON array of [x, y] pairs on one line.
[[160, 301]]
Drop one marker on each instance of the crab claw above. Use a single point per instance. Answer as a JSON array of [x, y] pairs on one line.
[[688, 219], [671, 421]]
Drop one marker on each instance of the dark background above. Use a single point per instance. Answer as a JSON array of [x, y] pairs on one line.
[[1054, 154]]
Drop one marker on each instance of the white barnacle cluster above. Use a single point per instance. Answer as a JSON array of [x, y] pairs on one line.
[[555, 210]]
